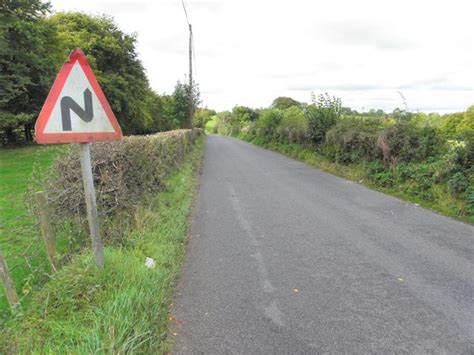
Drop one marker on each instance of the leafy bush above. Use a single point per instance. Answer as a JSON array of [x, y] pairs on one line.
[[268, 121], [458, 183], [293, 126], [404, 142], [244, 114], [352, 140], [322, 114], [377, 173]]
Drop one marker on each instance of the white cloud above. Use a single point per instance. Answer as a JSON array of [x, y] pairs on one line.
[[249, 52]]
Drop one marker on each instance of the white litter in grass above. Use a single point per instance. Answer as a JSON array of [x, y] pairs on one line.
[[150, 263]]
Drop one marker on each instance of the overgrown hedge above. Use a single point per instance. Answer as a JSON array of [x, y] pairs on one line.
[[125, 172], [408, 154], [122, 170]]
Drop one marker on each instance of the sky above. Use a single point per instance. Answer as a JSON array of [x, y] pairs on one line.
[[250, 52]]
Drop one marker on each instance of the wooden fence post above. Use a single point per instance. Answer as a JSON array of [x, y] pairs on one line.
[[46, 230], [7, 280]]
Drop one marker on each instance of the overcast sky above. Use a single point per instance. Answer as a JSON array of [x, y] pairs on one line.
[[249, 52]]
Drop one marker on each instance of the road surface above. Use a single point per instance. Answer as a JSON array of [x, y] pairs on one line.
[[286, 259]]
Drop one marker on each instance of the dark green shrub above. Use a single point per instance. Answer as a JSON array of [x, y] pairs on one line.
[[378, 174], [469, 208], [404, 142], [458, 183], [352, 140]]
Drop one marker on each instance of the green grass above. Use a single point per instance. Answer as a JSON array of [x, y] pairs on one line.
[[441, 201], [124, 307], [210, 125], [18, 235]]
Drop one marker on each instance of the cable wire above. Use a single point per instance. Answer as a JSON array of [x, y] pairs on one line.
[[185, 12]]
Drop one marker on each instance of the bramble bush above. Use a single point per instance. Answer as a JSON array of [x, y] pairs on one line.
[[402, 151], [352, 140], [404, 142], [293, 125], [124, 171], [268, 121]]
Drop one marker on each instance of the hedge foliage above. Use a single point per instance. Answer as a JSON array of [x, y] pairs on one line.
[[123, 172], [427, 156]]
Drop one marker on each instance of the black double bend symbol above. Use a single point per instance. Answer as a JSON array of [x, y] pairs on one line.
[[68, 104]]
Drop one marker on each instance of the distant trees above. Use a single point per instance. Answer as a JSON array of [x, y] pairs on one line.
[[283, 102], [427, 156], [202, 116], [33, 47], [244, 114]]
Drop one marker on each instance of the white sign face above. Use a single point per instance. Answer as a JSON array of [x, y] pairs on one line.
[[78, 109]]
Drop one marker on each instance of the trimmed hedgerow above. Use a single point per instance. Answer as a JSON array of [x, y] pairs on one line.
[[123, 171]]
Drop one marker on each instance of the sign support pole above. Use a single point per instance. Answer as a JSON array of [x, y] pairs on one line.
[[97, 247]]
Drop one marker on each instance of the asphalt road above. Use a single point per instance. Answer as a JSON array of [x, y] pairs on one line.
[[286, 259]]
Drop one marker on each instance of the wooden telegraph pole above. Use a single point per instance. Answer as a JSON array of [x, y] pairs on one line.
[[191, 101]]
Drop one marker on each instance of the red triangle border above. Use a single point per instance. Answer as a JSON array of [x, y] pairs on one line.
[[71, 137]]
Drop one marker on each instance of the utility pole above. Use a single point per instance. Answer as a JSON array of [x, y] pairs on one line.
[[191, 101]]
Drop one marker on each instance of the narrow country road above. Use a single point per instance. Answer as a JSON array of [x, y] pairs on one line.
[[286, 259]]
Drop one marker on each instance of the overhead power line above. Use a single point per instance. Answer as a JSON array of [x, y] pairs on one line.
[[185, 12]]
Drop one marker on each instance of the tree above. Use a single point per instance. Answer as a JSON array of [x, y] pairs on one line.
[[466, 126], [202, 116], [28, 63], [322, 114], [450, 125], [181, 103], [244, 114], [283, 103], [113, 59]]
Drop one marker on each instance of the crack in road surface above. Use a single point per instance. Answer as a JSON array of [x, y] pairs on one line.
[[286, 259]]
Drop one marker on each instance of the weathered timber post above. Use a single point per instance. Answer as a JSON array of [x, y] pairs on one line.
[[46, 230], [8, 283]]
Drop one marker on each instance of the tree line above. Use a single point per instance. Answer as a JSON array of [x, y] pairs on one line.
[[34, 44], [427, 156]]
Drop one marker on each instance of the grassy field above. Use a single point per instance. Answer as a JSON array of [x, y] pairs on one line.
[[19, 237], [124, 307]]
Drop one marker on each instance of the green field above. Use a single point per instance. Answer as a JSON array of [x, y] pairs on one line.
[[19, 237]]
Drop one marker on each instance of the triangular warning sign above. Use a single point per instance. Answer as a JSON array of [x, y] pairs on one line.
[[76, 109]]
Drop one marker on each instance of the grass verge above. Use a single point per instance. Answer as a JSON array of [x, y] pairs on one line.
[[123, 307], [441, 201], [18, 233]]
